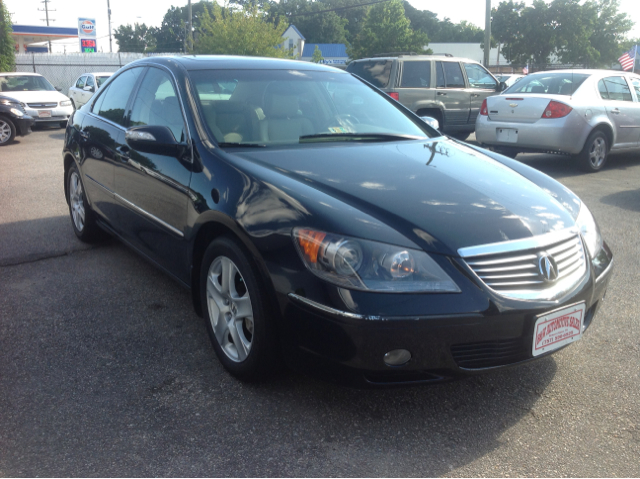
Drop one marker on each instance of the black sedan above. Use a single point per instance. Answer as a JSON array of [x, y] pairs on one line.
[[14, 121], [316, 220]]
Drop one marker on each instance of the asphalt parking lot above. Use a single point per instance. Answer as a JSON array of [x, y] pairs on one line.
[[105, 370]]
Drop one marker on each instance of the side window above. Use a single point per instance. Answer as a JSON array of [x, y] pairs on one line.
[[453, 75], [636, 86], [416, 75], [113, 101], [440, 76], [89, 81], [157, 104], [618, 89], [602, 88], [80, 82], [479, 77]]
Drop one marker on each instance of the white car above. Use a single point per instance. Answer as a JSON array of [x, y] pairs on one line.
[[39, 98], [86, 86]]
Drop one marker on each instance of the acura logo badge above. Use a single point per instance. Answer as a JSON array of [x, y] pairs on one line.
[[548, 267]]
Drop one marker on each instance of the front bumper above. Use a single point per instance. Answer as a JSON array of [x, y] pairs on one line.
[[560, 135], [23, 124], [349, 348], [58, 114]]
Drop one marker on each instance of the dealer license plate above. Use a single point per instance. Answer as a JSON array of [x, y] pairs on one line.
[[556, 329], [44, 113], [507, 135]]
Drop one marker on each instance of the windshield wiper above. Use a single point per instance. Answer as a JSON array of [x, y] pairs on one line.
[[359, 137], [247, 145]]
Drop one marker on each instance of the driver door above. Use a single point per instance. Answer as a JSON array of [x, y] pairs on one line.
[[481, 85]]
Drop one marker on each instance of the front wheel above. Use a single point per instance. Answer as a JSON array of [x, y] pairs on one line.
[[7, 131], [594, 155], [236, 311]]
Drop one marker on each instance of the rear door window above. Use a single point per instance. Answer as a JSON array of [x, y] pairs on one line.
[[618, 89], [602, 88], [416, 75], [376, 72]]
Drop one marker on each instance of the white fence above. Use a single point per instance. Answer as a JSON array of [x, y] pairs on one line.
[[63, 70]]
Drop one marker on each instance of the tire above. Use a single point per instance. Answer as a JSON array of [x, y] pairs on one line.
[[83, 219], [594, 155], [7, 131], [63, 124], [236, 311]]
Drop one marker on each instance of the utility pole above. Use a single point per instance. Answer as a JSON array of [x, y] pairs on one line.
[[487, 34], [190, 32], [109, 16], [46, 11]]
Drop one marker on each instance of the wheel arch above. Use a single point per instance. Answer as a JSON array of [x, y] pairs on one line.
[[68, 161], [607, 130]]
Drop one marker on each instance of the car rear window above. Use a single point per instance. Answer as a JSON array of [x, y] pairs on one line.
[[565, 83], [416, 74], [376, 72]]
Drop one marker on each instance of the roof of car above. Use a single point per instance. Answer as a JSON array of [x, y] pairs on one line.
[[205, 62], [419, 57], [588, 72], [20, 74], [99, 73]]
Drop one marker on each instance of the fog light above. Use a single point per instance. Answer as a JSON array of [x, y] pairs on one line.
[[397, 357]]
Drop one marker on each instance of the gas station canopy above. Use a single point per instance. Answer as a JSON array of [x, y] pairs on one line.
[[25, 35]]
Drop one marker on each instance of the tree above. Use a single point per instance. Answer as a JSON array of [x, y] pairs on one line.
[[325, 27], [171, 36], [235, 30], [387, 29], [138, 38], [609, 31], [505, 25], [317, 55], [7, 45]]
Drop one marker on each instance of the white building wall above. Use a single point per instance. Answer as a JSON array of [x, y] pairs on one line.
[[471, 51], [298, 41]]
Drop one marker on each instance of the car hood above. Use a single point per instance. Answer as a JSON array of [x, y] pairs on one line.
[[38, 96], [439, 193]]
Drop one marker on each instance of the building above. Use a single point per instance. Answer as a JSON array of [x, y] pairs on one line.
[[293, 40], [35, 38], [332, 53]]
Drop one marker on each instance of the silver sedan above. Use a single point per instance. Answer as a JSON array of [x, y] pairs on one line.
[[586, 113]]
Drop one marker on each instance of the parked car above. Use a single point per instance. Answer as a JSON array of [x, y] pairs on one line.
[[314, 217], [444, 87], [585, 113], [509, 79], [85, 87], [39, 98], [13, 120]]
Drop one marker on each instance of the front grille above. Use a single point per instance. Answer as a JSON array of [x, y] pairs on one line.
[[518, 270], [42, 105], [488, 354]]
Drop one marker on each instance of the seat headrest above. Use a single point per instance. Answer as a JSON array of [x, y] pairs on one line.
[[281, 105]]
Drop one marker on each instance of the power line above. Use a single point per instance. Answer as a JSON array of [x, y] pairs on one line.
[[337, 9]]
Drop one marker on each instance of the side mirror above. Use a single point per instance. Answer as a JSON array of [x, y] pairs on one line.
[[58, 88], [502, 86], [431, 121], [152, 139], [89, 88]]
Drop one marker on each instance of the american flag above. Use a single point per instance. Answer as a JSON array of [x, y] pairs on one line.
[[525, 70], [628, 59]]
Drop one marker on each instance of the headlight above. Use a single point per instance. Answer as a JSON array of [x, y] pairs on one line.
[[370, 266], [65, 103], [16, 112], [589, 230]]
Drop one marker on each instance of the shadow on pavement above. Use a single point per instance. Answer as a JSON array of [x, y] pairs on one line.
[[106, 370], [628, 200], [562, 166]]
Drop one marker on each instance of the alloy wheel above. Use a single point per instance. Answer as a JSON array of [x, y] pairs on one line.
[[230, 310], [76, 200], [5, 131], [597, 152]]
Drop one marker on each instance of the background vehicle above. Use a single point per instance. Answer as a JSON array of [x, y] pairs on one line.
[[13, 120], [313, 216], [85, 87], [38, 97], [509, 79], [586, 113], [443, 87]]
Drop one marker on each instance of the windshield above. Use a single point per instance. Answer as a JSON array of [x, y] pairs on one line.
[[286, 107], [25, 83], [101, 80], [550, 83]]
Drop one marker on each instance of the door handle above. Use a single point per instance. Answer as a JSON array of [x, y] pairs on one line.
[[615, 111], [123, 151], [475, 95], [441, 93], [84, 134]]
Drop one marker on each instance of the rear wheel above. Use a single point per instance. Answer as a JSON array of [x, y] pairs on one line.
[[7, 131], [594, 155], [236, 311], [82, 217]]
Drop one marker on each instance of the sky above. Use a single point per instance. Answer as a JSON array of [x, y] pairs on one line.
[[151, 12]]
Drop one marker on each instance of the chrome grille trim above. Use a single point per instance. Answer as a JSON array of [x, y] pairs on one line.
[[512, 269], [43, 105]]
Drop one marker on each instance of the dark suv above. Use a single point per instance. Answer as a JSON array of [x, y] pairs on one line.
[[447, 88]]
